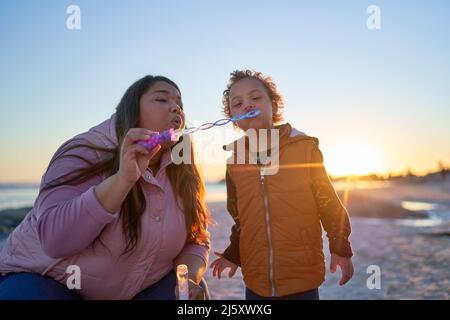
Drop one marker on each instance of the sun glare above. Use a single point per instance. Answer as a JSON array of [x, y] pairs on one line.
[[352, 159]]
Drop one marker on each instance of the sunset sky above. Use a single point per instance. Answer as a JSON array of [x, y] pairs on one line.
[[378, 100]]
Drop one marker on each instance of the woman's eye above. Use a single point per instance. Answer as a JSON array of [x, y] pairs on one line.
[[256, 98], [237, 105], [161, 100]]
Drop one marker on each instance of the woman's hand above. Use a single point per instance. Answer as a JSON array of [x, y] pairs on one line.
[[134, 158], [221, 264], [196, 292], [346, 266]]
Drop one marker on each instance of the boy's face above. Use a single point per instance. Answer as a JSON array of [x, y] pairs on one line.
[[248, 94]]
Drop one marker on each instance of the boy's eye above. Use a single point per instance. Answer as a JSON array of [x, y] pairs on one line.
[[256, 98], [237, 105]]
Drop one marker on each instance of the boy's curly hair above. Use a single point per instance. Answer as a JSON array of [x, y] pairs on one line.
[[268, 83]]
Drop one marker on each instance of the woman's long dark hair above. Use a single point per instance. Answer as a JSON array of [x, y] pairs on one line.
[[186, 180]]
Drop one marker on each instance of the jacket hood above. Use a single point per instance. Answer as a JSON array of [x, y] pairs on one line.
[[104, 133], [288, 135]]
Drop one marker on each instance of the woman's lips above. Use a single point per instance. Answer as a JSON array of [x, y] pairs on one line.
[[176, 122]]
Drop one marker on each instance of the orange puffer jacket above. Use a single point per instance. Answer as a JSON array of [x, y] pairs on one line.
[[277, 238]]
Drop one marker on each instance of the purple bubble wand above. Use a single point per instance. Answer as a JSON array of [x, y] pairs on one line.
[[172, 135]]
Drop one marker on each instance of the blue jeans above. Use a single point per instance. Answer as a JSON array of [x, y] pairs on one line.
[[307, 295], [33, 286]]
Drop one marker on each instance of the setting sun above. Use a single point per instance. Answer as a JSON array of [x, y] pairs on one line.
[[352, 159]]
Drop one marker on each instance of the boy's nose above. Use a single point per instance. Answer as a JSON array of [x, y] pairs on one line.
[[249, 107]]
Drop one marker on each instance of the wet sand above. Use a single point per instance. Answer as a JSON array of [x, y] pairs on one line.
[[413, 255], [414, 262]]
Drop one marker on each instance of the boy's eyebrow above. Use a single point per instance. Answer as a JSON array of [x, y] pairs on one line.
[[251, 92], [257, 90], [235, 98]]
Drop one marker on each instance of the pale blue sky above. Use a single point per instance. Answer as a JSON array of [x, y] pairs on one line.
[[387, 89]]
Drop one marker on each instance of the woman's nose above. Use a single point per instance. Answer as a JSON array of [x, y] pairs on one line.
[[176, 109]]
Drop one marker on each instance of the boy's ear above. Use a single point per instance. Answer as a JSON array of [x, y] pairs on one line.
[[274, 108]]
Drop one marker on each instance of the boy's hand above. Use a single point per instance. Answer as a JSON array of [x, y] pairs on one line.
[[221, 264], [346, 266]]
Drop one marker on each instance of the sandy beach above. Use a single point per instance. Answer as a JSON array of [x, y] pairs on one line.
[[411, 247], [411, 250]]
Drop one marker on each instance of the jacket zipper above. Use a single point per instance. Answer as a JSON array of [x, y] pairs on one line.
[[266, 206]]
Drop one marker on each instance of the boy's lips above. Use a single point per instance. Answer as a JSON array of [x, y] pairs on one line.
[[251, 118], [253, 113]]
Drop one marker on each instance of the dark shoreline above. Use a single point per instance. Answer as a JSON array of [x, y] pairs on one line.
[[358, 205], [10, 218]]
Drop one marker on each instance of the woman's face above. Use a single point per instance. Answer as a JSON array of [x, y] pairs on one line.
[[248, 94], [161, 108]]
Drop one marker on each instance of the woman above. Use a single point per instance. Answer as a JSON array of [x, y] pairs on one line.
[[124, 216]]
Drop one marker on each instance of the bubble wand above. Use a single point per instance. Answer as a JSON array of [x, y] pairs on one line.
[[175, 135]]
